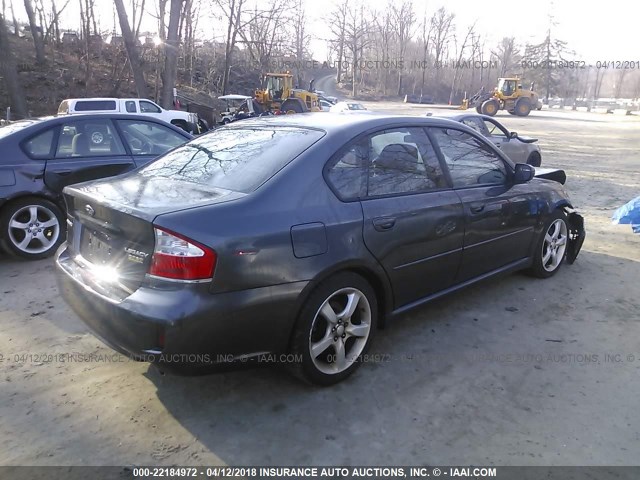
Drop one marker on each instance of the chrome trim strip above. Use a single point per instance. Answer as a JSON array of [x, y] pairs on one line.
[[484, 242], [175, 280]]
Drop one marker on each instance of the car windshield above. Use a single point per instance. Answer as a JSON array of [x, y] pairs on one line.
[[356, 106], [239, 159]]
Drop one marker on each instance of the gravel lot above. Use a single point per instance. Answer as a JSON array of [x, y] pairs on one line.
[[515, 371]]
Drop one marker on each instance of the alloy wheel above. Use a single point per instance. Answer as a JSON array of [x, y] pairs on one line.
[[554, 245], [33, 229], [340, 330]]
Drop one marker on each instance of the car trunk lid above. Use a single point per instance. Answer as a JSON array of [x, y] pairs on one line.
[[111, 232]]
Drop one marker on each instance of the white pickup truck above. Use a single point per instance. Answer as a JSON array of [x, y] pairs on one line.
[[135, 106]]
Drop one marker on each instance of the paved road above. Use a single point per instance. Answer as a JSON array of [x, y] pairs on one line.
[[515, 371]]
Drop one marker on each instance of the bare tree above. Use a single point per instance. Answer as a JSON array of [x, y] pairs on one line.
[[10, 73], [263, 32], [426, 37], [384, 35], [619, 85], [131, 45], [36, 32], [337, 27], [441, 31], [16, 27], [459, 60], [356, 39], [300, 38], [137, 12], [403, 19], [508, 55], [232, 9], [53, 31], [169, 74]]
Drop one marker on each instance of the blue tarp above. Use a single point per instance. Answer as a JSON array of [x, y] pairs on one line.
[[629, 213]]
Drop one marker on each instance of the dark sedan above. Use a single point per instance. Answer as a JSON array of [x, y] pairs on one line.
[[302, 235], [41, 156]]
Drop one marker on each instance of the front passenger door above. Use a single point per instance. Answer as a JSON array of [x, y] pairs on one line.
[[497, 232]]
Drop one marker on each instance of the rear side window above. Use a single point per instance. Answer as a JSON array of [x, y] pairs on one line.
[[239, 159], [40, 145], [130, 105], [88, 138], [347, 173], [92, 105]]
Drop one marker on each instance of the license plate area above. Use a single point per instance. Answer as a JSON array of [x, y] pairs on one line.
[[97, 247]]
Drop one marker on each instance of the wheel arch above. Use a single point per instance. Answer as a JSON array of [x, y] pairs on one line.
[[374, 275], [57, 200]]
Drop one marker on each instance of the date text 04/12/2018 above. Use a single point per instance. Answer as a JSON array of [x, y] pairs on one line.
[[580, 64]]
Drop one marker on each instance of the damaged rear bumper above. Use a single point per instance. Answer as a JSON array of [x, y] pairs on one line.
[[577, 235]]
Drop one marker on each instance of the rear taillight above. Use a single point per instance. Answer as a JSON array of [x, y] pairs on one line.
[[179, 258]]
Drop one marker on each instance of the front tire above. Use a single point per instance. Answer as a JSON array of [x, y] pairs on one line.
[[334, 329], [551, 248], [490, 107], [535, 160], [32, 228]]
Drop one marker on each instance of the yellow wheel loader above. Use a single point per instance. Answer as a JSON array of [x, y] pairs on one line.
[[279, 96], [508, 95]]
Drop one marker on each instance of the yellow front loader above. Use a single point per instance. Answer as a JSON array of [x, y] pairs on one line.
[[508, 95], [278, 95]]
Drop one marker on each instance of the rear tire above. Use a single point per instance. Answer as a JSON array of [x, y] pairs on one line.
[[523, 107], [32, 228], [334, 329], [479, 108], [551, 247]]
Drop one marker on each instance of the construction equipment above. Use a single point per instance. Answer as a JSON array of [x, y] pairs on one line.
[[508, 95], [279, 96]]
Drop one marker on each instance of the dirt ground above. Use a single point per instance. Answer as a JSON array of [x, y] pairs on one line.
[[515, 371]]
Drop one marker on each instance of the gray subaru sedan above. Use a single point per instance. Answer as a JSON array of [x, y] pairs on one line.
[[297, 237]]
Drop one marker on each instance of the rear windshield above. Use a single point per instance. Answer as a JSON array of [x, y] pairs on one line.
[[91, 105], [238, 159]]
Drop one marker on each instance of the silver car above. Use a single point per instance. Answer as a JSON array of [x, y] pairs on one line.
[[518, 148]]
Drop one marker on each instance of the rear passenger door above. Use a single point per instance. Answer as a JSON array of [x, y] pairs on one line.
[[86, 150], [498, 225], [413, 220]]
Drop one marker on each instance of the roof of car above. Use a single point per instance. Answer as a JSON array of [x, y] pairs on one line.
[[334, 122], [234, 97], [37, 122], [93, 99]]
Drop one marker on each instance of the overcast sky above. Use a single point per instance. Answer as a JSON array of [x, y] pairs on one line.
[[609, 32]]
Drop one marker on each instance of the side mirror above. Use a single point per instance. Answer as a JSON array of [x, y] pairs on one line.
[[513, 134], [524, 173]]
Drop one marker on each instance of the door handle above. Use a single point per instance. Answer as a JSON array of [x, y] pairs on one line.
[[384, 223], [477, 208], [62, 173]]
